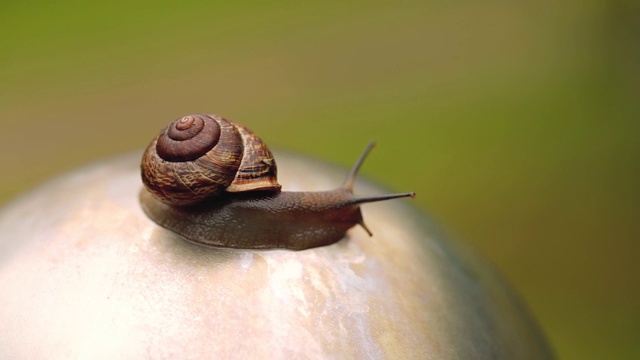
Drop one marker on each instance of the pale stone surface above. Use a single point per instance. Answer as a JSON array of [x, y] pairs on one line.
[[85, 275]]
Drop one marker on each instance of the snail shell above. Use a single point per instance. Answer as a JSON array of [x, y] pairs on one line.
[[198, 156]]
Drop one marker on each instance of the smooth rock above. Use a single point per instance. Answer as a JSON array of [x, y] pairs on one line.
[[84, 274]]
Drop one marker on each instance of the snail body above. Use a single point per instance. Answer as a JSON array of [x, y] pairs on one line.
[[227, 195]]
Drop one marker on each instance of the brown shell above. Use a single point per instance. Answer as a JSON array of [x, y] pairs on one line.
[[199, 156]]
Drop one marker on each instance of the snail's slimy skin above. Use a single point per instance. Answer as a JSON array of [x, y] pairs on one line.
[[85, 274], [260, 220]]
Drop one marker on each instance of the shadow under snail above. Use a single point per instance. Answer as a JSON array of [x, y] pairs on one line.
[[213, 182]]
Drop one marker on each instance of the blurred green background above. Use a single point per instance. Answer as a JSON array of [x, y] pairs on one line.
[[517, 123]]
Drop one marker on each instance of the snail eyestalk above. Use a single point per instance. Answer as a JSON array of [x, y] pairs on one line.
[[351, 179], [369, 199]]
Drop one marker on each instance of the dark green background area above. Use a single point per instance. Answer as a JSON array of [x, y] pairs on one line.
[[517, 123]]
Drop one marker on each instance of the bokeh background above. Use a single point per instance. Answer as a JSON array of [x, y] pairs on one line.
[[517, 123]]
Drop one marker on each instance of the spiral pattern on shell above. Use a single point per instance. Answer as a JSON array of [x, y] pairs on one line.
[[199, 156]]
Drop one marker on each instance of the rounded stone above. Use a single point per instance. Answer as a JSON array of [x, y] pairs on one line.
[[84, 274]]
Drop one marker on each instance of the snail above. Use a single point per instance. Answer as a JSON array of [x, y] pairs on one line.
[[214, 183]]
